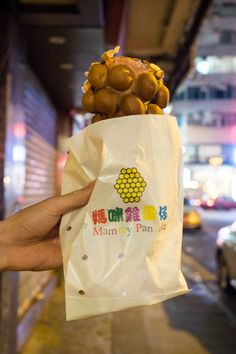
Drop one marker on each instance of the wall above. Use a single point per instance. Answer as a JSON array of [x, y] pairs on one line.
[[28, 152]]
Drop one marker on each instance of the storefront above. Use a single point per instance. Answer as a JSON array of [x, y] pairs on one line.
[[210, 171], [28, 166]]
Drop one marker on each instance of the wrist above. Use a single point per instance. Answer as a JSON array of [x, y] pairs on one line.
[[3, 246]]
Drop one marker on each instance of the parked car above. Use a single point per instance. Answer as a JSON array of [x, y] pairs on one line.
[[226, 257], [192, 217], [206, 203], [220, 203], [225, 203]]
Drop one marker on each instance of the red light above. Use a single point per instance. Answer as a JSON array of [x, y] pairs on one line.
[[19, 129], [20, 199]]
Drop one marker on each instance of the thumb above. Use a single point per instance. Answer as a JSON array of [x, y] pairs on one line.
[[61, 204]]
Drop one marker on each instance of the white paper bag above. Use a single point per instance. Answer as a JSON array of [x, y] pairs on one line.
[[123, 249]]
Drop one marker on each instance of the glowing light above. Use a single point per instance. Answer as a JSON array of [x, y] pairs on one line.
[[18, 153], [216, 160], [197, 202], [20, 199], [210, 202], [57, 40], [66, 66], [19, 129], [202, 67], [7, 180]]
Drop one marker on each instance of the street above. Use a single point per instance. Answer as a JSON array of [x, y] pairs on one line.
[[199, 254], [201, 322]]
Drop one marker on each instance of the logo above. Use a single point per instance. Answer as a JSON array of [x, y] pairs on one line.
[[130, 185]]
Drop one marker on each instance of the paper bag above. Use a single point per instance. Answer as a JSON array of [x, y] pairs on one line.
[[123, 249]]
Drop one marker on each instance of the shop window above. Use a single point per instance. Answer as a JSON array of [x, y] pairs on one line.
[[227, 9], [211, 119], [190, 154], [218, 93], [179, 96], [227, 37], [208, 37], [206, 92], [194, 93]]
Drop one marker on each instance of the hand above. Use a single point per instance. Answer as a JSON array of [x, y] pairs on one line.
[[29, 240]]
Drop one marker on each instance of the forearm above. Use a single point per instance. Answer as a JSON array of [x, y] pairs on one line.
[[3, 246]]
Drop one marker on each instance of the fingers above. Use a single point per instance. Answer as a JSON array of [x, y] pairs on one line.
[[70, 201]]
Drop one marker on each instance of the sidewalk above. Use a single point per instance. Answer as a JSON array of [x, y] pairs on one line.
[[190, 324]]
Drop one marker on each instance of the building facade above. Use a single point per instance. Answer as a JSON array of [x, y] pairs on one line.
[[205, 106]]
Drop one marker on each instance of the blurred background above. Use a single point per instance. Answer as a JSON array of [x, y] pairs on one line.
[[45, 48]]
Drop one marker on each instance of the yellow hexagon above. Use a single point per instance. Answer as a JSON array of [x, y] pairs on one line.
[[130, 185]]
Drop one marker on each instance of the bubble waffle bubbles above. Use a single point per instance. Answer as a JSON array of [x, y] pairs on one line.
[[120, 86]]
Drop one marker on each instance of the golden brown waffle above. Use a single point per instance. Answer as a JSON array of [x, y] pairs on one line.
[[120, 86]]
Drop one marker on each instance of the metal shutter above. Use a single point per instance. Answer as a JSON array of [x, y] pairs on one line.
[[40, 169]]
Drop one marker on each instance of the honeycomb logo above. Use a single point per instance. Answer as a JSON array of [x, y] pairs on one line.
[[130, 185]]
